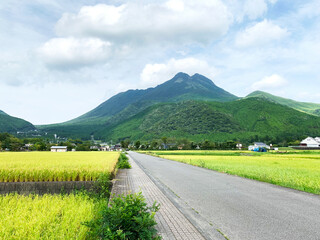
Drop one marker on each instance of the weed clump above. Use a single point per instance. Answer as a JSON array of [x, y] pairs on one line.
[[123, 162], [126, 217]]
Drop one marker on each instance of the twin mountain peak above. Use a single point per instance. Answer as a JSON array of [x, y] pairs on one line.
[[180, 87]]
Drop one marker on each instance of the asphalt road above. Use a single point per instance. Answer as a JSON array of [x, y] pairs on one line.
[[239, 207]]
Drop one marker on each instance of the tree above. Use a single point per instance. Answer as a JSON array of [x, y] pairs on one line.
[[154, 144], [137, 144], [12, 143], [125, 143], [165, 141], [206, 145]]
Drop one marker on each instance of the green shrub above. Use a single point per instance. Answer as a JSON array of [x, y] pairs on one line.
[[123, 162], [126, 217], [102, 186]]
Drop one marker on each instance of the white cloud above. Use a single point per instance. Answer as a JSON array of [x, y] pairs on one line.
[[260, 34], [66, 53], [176, 5], [174, 21], [273, 1], [255, 8], [251, 9], [271, 82], [153, 74]]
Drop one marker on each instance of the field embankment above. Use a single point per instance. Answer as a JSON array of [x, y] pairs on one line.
[[297, 170]]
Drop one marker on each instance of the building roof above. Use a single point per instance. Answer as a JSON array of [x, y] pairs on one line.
[[59, 147], [309, 140], [260, 144]]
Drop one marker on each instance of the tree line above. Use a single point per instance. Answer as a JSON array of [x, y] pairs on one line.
[[185, 144], [9, 142]]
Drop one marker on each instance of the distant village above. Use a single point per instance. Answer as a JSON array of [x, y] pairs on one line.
[[308, 143], [59, 144]]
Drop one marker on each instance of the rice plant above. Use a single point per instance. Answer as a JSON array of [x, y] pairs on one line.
[[45, 217]]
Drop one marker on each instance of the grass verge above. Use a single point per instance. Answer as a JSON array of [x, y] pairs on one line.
[[123, 162]]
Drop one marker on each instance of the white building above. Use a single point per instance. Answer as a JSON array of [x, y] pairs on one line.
[[105, 148], [310, 142], [59, 149]]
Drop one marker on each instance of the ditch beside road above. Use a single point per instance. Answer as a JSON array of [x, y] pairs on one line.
[[240, 208]]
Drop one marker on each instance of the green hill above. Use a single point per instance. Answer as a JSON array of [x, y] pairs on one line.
[[12, 124], [242, 119], [198, 120], [311, 108]]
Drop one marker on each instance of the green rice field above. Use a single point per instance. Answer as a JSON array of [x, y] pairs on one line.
[[292, 169], [50, 166]]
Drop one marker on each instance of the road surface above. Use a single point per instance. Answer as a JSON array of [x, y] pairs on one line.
[[239, 207]]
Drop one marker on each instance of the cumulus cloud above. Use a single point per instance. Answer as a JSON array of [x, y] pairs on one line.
[[153, 74], [89, 36], [68, 53], [251, 9], [270, 82], [174, 21], [261, 33]]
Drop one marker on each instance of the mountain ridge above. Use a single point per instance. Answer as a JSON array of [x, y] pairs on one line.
[[307, 107], [197, 120], [3, 113], [13, 124]]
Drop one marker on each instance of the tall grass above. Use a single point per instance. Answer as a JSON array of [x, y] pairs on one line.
[[47, 166]]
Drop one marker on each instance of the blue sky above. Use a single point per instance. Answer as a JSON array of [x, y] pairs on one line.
[[59, 59]]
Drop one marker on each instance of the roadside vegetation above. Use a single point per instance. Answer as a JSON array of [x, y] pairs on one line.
[[123, 161], [292, 169], [126, 217]]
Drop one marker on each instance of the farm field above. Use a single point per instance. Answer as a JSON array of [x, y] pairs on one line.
[[45, 217], [297, 170], [48, 166]]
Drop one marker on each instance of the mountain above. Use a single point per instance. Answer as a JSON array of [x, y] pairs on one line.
[[2, 113], [12, 124], [181, 87], [192, 107], [242, 119], [127, 104], [311, 108]]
